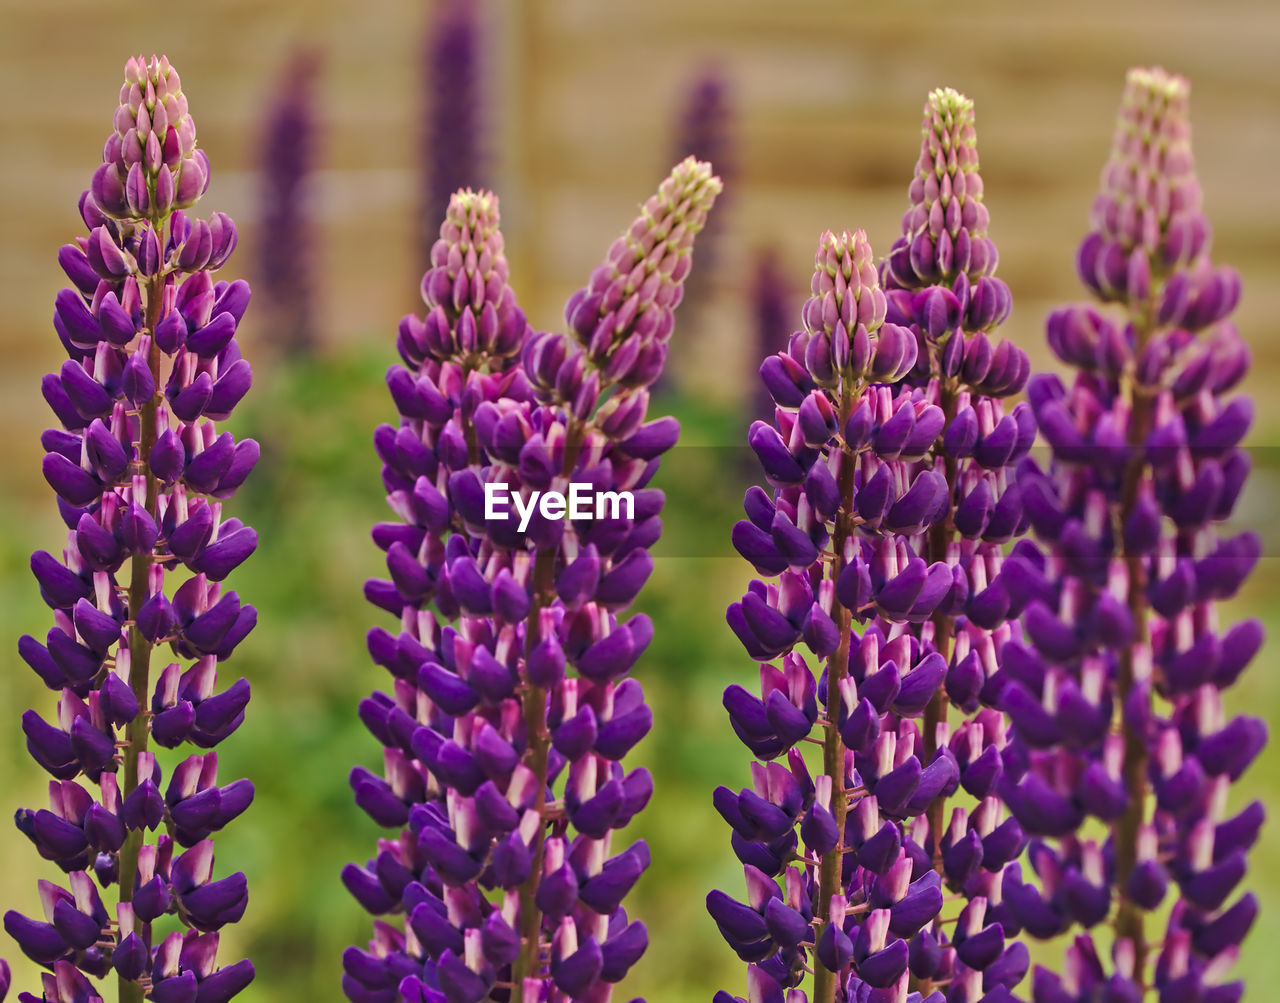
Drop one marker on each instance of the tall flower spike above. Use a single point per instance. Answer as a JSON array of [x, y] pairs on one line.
[[850, 498], [288, 150], [451, 141], [940, 281], [891, 507], [141, 473], [513, 702], [622, 320], [1116, 700]]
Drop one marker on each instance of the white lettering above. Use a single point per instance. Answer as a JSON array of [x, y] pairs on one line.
[[553, 505], [495, 494], [524, 510], [499, 499], [617, 499], [579, 493]]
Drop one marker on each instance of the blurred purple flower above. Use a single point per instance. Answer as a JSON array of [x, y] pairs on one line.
[[774, 316], [141, 471], [706, 130], [503, 772], [288, 150], [452, 146]]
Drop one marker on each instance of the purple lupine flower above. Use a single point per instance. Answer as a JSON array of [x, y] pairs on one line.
[[940, 281], [890, 508], [141, 471], [772, 310], [940, 274], [287, 150], [1115, 700], [706, 131], [831, 440], [503, 771], [451, 142]]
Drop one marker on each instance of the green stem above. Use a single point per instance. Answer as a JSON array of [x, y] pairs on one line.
[[1130, 917], [138, 730], [941, 535], [833, 748], [535, 721], [528, 963]]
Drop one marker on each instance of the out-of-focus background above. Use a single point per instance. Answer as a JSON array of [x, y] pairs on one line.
[[581, 106]]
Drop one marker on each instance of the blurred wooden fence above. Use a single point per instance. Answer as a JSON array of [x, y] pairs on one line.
[[582, 104]]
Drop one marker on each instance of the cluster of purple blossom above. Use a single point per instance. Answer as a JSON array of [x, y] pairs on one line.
[[503, 777], [1115, 695], [140, 472], [942, 701], [1079, 678], [287, 238]]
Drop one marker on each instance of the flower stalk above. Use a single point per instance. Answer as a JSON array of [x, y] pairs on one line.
[[504, 764], [836, 562], [286, 178], [891, 507], [141, 472], [1116, 703]]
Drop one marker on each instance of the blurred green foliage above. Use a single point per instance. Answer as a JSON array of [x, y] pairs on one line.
[[313, 499]]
